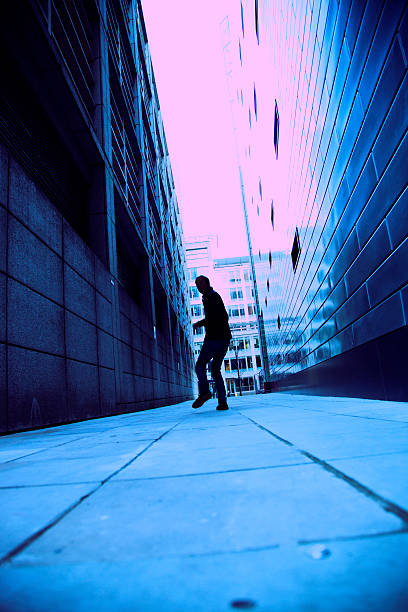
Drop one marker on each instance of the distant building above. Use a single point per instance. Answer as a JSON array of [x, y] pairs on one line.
[[319, 98], [94, 313], [232, 279]]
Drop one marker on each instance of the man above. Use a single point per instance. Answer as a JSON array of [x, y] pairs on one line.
[[215, 346]]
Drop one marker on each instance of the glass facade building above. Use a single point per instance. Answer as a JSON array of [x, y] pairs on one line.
[[93, 293], [319, 94]]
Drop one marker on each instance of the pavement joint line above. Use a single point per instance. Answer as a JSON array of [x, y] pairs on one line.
[[33, 537], [42, 450], [356, 416], [350, 538], [252, 469], [271, 433], [49, 484], [387, 505]]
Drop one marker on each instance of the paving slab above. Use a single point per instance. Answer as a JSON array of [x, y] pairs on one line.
[[26, 510], [274, 580], [186, 509]]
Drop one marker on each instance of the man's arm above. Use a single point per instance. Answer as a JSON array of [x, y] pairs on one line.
[[199, 324]]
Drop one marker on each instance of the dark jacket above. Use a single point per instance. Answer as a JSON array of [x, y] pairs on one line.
[[216, 317]]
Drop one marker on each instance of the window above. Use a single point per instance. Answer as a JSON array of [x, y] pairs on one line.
[[256, 20], [279, 322], [227, 365], [192, 273], [249, 362], [242, 363], [242, 312], [236, 294], [260, 188], [247, 275], [234, 276], [196, 310], [250, 310], [249, 292], [267, 285], [256, 342], [233, 364], [194, 294], [242, 20], [276, 130], [258, 361], [240, 52], [296, 250], [247, 343], [272, 216], [255, 104], [198, 332], [249, 115]]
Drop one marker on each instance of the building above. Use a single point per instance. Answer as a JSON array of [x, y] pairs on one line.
[[232, 279], [93, 296], [319, 98]]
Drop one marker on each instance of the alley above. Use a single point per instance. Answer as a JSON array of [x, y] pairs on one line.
[[285, 502]]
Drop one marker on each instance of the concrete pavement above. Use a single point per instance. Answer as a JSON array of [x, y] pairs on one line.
[[285, 502]]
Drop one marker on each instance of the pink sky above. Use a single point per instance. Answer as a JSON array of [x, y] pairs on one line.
[[185, 45]]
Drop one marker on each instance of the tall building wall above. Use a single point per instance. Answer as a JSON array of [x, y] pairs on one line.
[[93, 292], [319, 92]]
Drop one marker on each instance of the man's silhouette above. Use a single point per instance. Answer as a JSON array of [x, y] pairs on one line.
[[215, 346]]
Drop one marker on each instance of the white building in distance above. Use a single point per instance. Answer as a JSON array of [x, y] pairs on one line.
[[232, 279]]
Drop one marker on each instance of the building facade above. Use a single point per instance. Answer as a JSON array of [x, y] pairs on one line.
[[319, 94], [232, 278], [94, 313]]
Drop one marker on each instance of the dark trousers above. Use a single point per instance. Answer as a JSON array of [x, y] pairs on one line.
[[215, 350]]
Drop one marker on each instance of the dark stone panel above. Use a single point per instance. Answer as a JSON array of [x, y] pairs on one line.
[[392, 183], [3, 239], [107, 391], [79, 295], [103, 280], [105, 350], [103, 313], [354, 308], [3, 307], [83, 390], [374, 252], [342, 342], [353, 24], [32, 262], [4, 161], [126, 360], [80, 338], [390, 276], [386, 28], [385, 318], [394, 126], [393, 358], [127, 388], [3, 389], [398, 219], [361, 194], [403, 30], [125, 329], [37, 393], [34, 321], [78, 254]]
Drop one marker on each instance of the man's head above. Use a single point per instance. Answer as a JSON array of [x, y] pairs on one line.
[[202, 283]]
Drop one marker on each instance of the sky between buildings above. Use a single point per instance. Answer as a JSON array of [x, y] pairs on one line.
[[186, 49]]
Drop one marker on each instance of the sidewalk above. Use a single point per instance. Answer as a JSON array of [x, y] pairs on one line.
[[283, 503]]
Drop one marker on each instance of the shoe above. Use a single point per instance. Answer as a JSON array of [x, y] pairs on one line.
[[201, 399], [222, 406]]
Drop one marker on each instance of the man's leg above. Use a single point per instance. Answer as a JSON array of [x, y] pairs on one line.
[[201, 369], [216, 364]]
